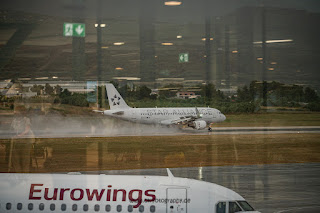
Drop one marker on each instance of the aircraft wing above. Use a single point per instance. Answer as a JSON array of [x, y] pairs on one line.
[[178, 120], [182, 120]]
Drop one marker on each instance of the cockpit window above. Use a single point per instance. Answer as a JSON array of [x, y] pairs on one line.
[[221, 207], [245, 206], [233, 207]]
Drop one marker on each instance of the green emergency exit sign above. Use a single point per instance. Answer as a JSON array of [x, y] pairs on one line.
[[183, 57], [74, 30]]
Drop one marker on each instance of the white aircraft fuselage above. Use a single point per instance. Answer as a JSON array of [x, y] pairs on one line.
[[165, 115], [114, 193], [197, 118]]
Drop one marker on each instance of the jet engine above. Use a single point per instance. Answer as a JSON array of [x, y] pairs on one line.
[[199, 125]]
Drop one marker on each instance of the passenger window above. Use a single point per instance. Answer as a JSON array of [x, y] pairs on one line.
[[30, 206], [74, 207], [233, 207], [96, 207], [41, 206], [19, 206], [52, 206], [85, 207], [108, 208], [221, 207], [8, 206], [63, 207], [130, 208], [152, 208], [141, 208], [119, 208]]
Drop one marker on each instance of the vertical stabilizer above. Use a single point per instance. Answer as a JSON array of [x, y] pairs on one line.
[[170, 175], [114, 98]]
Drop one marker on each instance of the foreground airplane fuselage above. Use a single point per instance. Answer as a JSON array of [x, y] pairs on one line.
[[197, 118], [114, 193]]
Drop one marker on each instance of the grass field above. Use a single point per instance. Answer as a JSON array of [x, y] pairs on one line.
[[284, 118], [82, 154], [272, 119]]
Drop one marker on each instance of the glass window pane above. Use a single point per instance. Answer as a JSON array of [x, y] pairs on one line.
[[152, 208], [8, 206], [63, 207], [19, 206], [30, 206], [119, 208], [74, 207], [108, 208], [221, 207], [85, 207], [141, 208], [233, 207], [52, 206], [245, 206], [41, 206], [231, 67]]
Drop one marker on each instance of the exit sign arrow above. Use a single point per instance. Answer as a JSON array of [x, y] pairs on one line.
[[79, 29]]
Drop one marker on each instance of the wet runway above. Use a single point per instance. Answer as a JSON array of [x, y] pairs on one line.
[[279, 188], [58, 127], [162, 131], [262, 130]]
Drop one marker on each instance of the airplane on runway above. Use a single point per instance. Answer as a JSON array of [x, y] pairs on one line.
[[197, 118], [115, 193]]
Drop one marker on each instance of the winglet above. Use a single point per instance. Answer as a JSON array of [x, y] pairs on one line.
[[170, 175], [198, 113]]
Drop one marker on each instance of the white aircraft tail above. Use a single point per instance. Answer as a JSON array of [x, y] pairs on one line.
[[114, 98]]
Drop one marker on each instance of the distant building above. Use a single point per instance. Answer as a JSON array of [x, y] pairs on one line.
[[187, 95], [154, 92], [4, 86], [28, 94], [14, 90], [72, 86]]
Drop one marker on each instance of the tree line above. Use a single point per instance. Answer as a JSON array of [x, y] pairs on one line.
[[248, 98]]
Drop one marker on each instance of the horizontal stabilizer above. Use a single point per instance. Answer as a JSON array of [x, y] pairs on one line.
[[99, 111], [166, 122]]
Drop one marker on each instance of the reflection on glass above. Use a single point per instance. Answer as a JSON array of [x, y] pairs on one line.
[[22, 142], [256, 62]]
